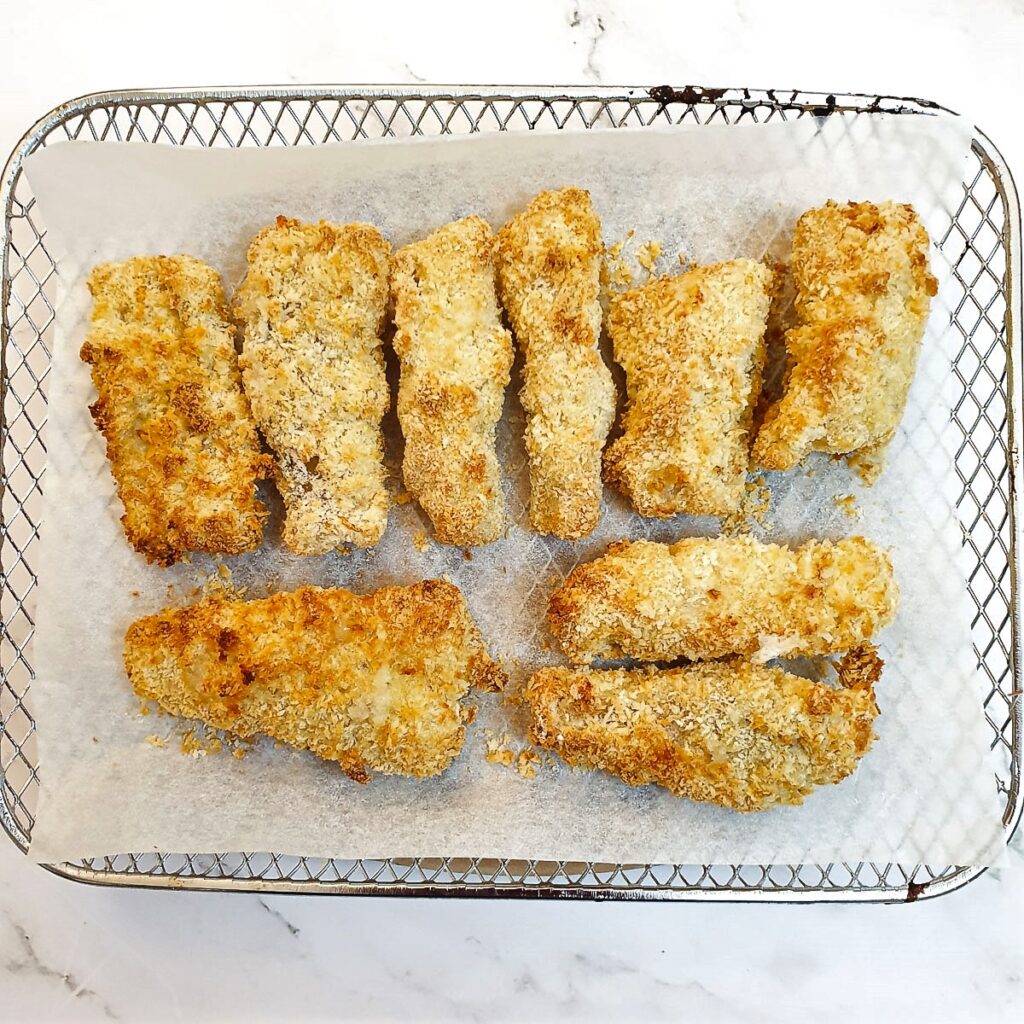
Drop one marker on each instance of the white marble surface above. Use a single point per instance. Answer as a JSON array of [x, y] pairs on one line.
[[70, 952]]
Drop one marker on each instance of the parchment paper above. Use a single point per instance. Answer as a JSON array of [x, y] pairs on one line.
[[925, 792]]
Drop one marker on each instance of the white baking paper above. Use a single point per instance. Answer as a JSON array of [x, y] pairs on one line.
[[925, 792]]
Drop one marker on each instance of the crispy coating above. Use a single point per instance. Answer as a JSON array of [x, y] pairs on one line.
[[549, 268], [863, 294], [180, 437], [706, 598], [313, 305], [693, 350], [456, 357], [373, 682], [744, 736]]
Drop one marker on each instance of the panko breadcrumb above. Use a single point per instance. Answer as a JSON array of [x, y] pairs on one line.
[[313, 305], [455, 362], [373, 682], [549, 265], [863, 294], [181, 441], [706, 598], [693, 350], [743, 736]]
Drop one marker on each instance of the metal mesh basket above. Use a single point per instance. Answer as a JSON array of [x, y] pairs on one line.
[[983, 242]]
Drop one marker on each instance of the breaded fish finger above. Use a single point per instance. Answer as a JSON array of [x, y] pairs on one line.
[[704, 598], [455, 362], [693, 350], [313, 305], [743, 736], [373, 682], [181, 441], [549, 267], [863, 294]]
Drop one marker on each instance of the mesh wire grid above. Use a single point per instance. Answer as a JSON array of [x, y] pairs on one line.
[[984, 245]]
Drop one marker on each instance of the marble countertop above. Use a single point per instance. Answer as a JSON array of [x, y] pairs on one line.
[[72, 952]]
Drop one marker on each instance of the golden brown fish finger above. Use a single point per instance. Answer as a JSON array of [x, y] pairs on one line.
[[181, 441], [732, 733], [704, 598], [863, 293], [549, 267], [313, 305], [693, 350], [373, 682], [455, 362]]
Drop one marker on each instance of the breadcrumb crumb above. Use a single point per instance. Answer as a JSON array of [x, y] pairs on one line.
[[847, 504], [753, 510], [868, 463], [648, 255], [527, 763], [615, 275], [502, 750], [499, 748]]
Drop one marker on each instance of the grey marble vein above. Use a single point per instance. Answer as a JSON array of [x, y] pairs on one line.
[[592, 26], [293, 930], [29, 962]]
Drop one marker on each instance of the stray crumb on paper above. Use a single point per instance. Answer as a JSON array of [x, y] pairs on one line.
[[199, 740], [420, 541], [615, 273], [527, 763], [196, 745], [499, 750], [847, 504], [156, 741], [753, 510], [867, 464], [220, 585], [502, 750], [648, 255]]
